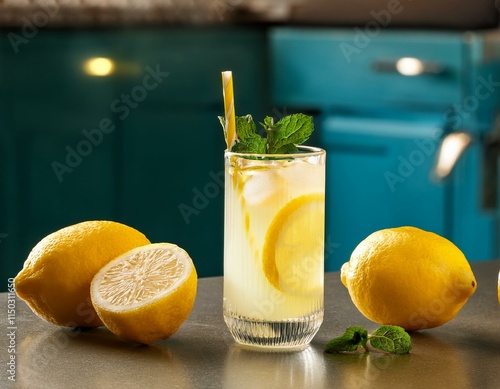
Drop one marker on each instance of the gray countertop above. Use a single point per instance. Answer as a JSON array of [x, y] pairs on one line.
[[464, 353]]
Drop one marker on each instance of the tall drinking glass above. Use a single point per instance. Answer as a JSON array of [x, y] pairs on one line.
[[273, 246]]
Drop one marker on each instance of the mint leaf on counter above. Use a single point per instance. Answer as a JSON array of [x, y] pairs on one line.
[[349, 341], [281, 137], [391, 339]]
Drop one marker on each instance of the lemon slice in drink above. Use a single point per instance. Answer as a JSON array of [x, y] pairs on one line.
[[294, 244], [147, 293]]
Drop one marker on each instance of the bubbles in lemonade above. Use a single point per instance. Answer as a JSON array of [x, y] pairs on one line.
[[273, 251]]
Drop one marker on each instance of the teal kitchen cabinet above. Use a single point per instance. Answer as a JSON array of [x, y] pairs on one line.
[[382, 121], [52, 176], [173, 186], [141, 146], [7, 178], [173, 168]]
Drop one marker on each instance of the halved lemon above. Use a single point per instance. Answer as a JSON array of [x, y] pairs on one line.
[[147, 293], [293, 249]]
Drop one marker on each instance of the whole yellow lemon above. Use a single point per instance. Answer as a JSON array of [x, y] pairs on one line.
[[408, 277], [55, 280]]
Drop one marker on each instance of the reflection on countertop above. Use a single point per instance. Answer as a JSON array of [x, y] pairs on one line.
[[463, 353]]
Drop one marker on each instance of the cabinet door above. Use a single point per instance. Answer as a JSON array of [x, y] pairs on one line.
[[140, 173], [173, 180], [328, 68], [173, 142], [475, 229], [194, 58], [62, 177], [53, 174], [8, 172], [378, 177]]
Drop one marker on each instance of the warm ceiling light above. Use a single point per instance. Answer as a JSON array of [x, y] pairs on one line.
[[410, 66], [99, 66]]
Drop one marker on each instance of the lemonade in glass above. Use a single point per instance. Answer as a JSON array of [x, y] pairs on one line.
[[273, 246]]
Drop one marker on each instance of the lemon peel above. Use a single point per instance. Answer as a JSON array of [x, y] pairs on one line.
[[55, 279], [408, 277]]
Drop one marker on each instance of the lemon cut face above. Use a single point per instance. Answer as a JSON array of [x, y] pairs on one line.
[[293, 253], [141, 277], [147, 293]]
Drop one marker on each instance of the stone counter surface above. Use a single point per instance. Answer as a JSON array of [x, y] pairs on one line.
[[464, 353]]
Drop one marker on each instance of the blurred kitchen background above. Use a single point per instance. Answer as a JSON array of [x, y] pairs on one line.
[[108, 110]]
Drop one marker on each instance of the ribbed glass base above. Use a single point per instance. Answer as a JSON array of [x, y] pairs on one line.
[[291, 333]]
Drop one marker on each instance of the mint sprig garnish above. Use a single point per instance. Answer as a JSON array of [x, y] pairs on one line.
[[391, 339], [290, 131], [248, 139], [280, 138]]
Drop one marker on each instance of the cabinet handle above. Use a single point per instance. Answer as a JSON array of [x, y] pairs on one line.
[[409, 66], [450, 150]]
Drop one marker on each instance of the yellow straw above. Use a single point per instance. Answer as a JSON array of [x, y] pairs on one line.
[[230, 130]]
